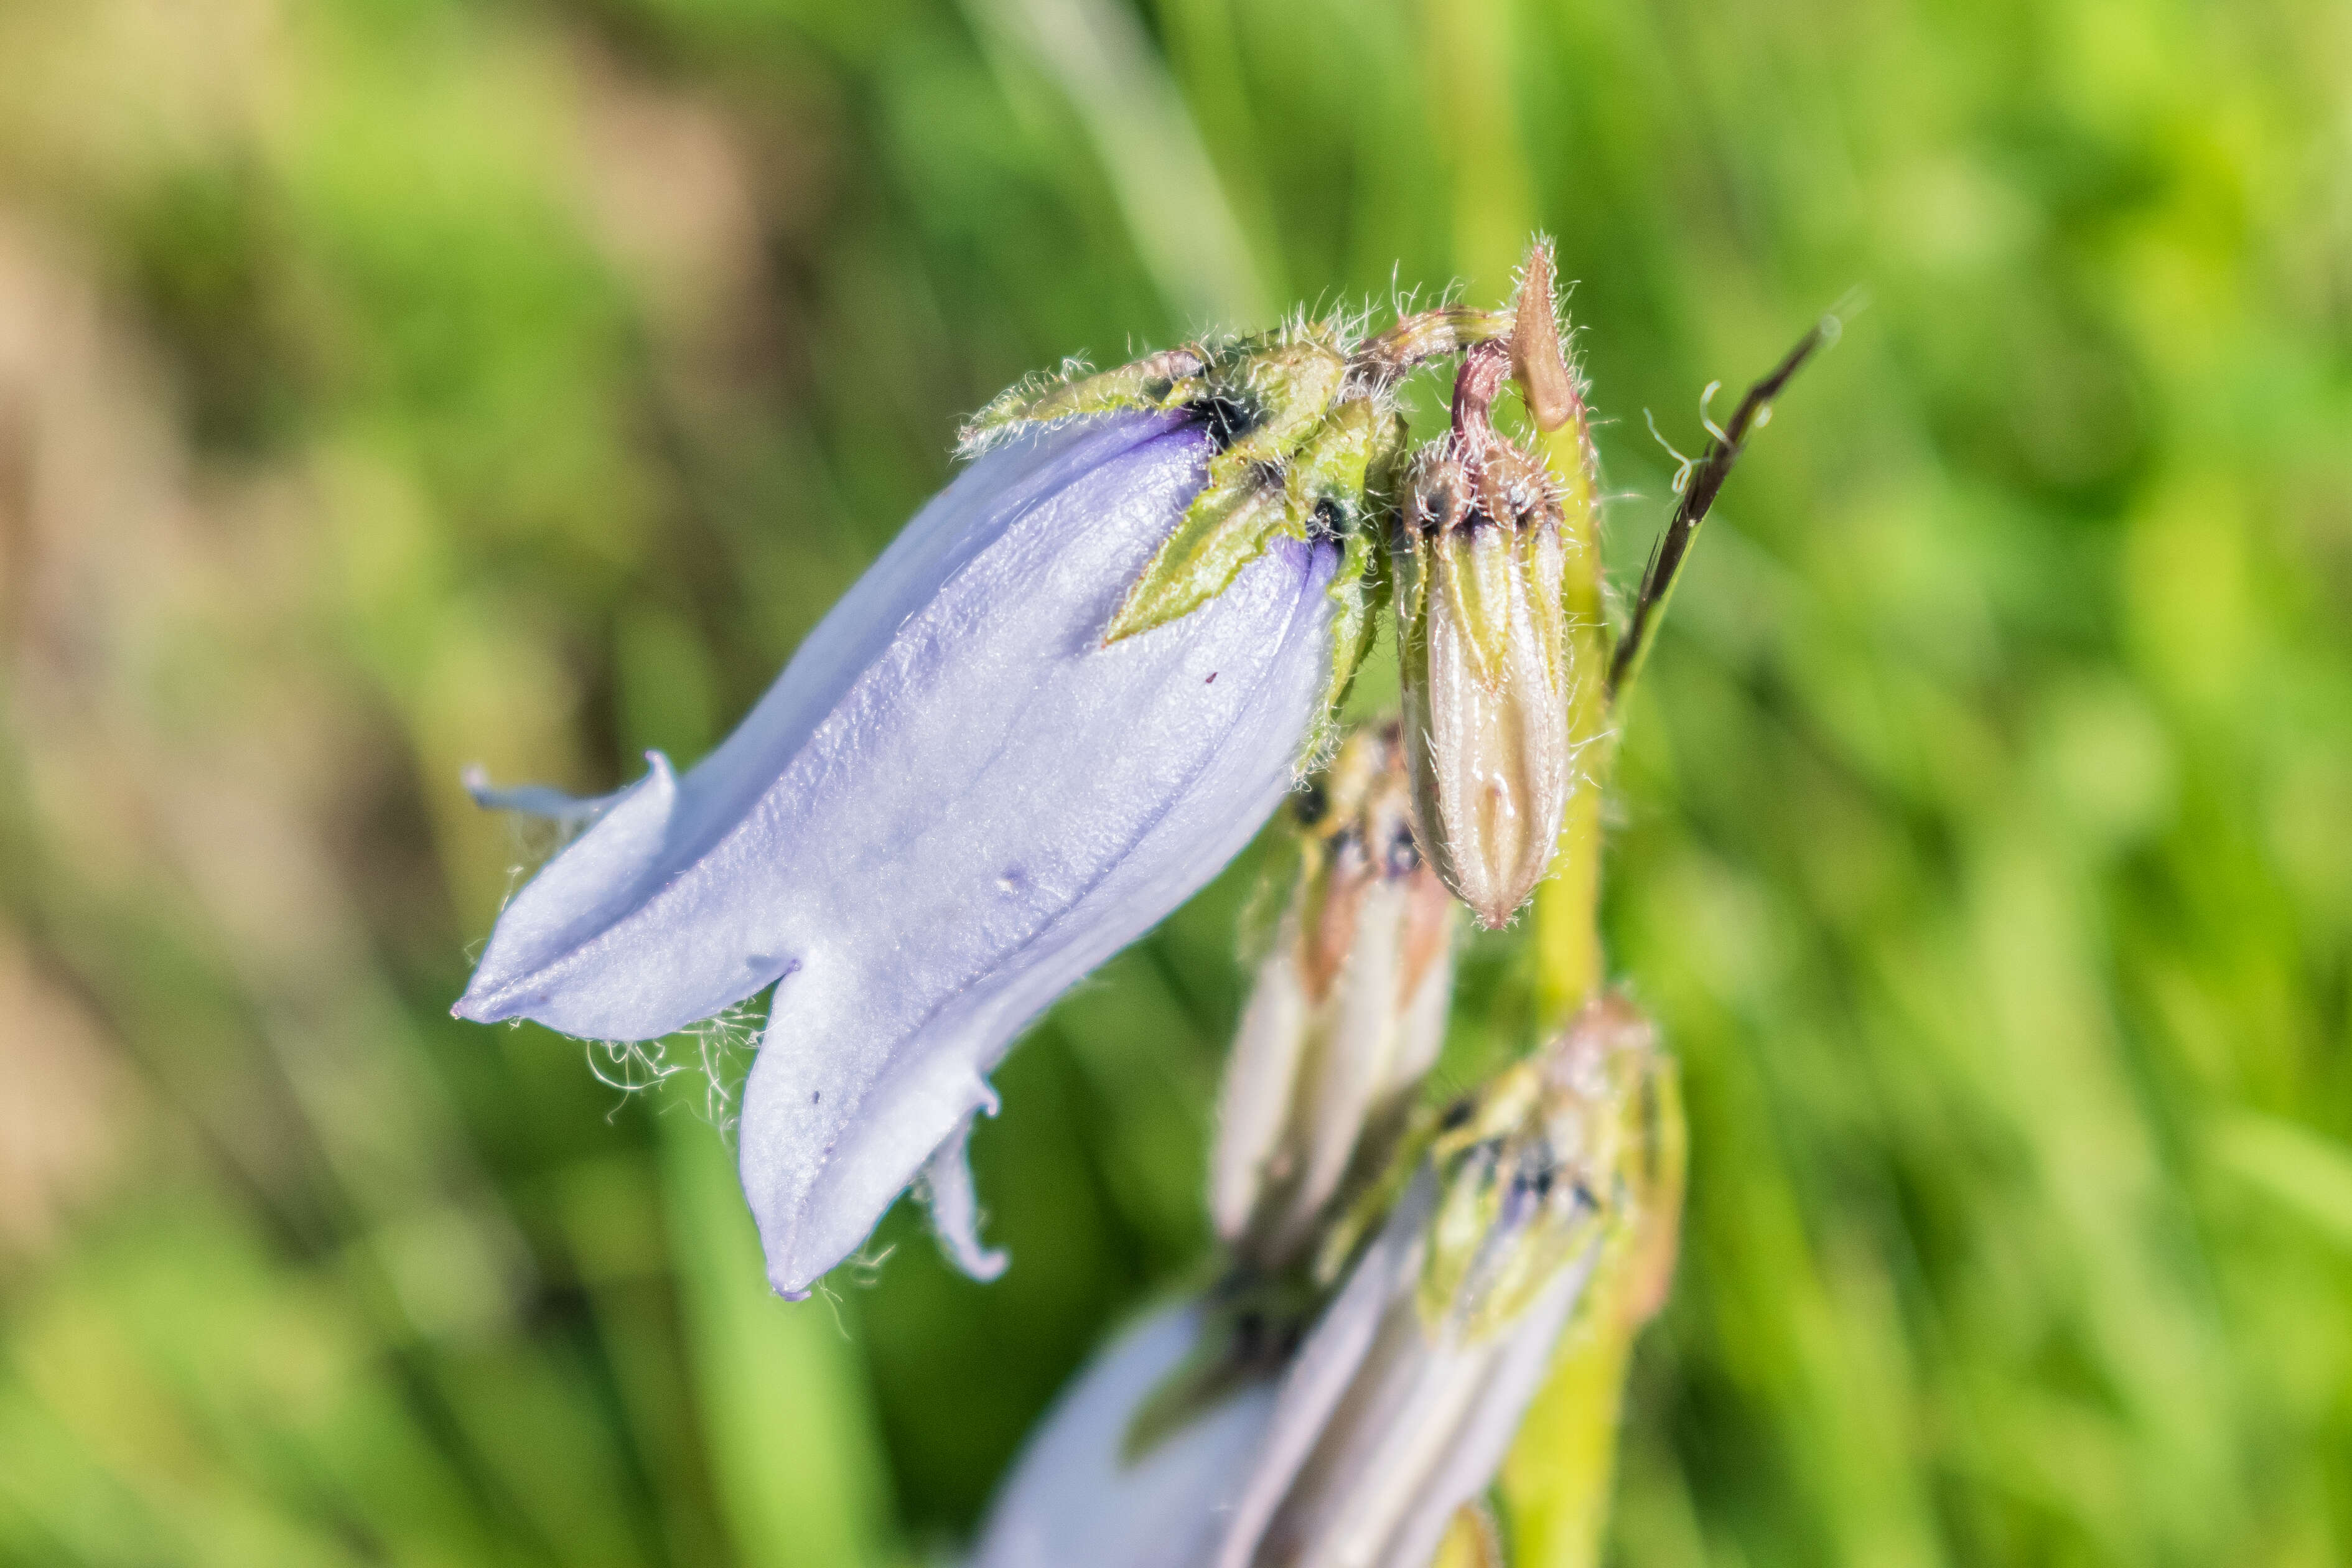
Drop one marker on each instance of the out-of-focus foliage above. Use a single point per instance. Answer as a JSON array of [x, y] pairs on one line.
[[387, 385]]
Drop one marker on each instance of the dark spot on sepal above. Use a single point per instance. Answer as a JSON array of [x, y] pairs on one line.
[[1333, 518], [1228, 418]]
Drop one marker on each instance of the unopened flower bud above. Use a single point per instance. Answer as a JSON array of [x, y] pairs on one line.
[[1483, 644], [1401, 1403], [1231, 1433], [1556, 1480], [1348, 1012]]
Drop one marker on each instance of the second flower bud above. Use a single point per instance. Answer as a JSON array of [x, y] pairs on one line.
[[1482, 638], [1347, 1015]]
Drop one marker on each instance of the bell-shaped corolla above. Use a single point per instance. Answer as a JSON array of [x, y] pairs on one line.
[[1065, 696]]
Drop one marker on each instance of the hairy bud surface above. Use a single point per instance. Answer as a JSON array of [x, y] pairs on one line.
[[1348, 1012], [1483, 644]]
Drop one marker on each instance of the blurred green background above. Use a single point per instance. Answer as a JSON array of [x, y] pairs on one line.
[[388, 385]]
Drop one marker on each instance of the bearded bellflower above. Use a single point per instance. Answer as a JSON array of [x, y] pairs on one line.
[[1530, 1209], [1346, 1013], [1067, 694]]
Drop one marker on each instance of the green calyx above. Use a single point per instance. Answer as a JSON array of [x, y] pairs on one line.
[[1281, 450], [1309, 448], [1512, 1213], [1169, 379], [1550, 1165], [1344, 484]]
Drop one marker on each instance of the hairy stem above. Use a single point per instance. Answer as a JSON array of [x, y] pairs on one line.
[[1698, 495]]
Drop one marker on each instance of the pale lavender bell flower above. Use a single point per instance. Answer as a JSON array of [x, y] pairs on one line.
[[969, 787]]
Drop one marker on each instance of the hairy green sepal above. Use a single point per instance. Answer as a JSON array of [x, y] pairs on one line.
[[1306, 452], [1169, 379], [1345, 484], [1275, 404]]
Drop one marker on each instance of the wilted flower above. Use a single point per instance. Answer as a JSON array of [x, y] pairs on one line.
[[1483, 646], [1059, 702], [1348, 1012], [1534, 1207]]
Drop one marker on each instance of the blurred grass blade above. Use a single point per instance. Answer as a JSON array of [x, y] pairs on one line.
[[2306, 1172], [787, 1416], [1174, 202]]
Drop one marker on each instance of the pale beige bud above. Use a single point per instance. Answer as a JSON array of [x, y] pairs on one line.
[[1347, 1015], [1482, 638]]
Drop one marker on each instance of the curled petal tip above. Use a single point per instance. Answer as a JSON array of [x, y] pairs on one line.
[[566, 811], [981, 1264], [955, 1203], [484, 1004]]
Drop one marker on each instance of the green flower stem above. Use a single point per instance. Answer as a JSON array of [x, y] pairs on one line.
[[1556, 1481], [1568, 969]]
